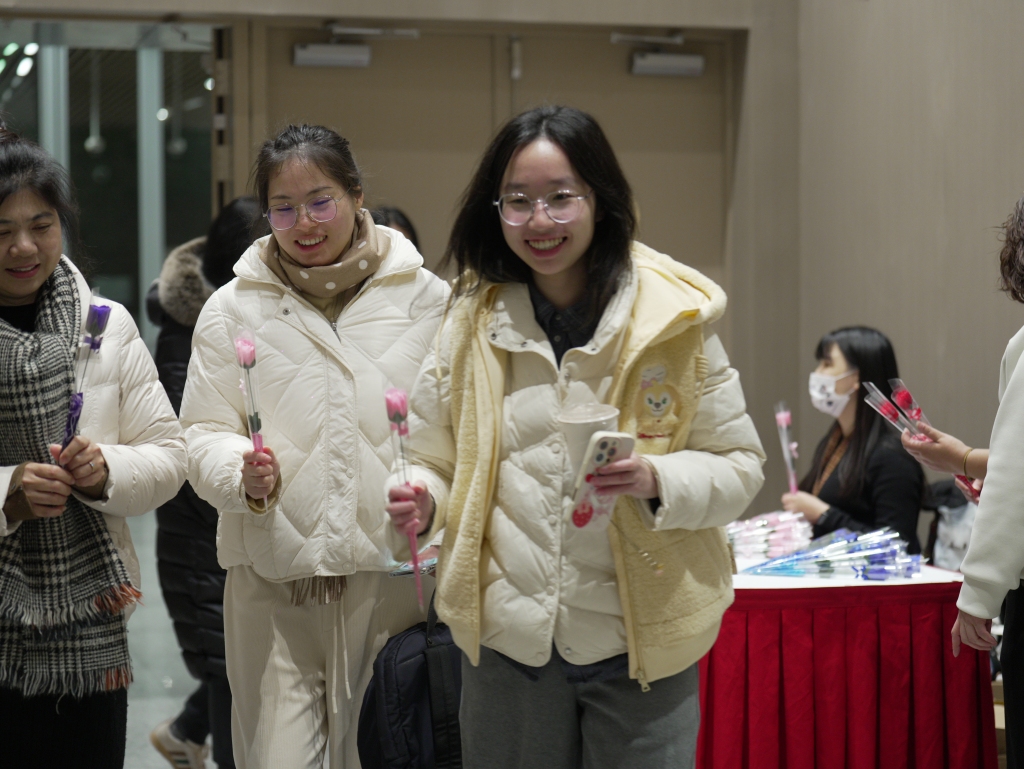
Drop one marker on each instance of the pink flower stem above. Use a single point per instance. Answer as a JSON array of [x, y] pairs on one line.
[[257, 444], [411, 531]]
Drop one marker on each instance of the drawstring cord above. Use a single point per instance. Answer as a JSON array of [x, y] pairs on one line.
[[340, 608], [334, 678]]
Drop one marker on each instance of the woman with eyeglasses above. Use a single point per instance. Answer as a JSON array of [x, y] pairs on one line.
[[581, 641], [860, 479], [342, 309]]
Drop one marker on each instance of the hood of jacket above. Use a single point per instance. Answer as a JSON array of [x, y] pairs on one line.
[[663, 282], [182, 289]]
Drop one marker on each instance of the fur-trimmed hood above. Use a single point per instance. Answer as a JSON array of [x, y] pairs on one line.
[[182, 288]]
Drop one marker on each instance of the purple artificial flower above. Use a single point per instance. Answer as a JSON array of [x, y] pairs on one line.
[[74, 413], [96, 324]]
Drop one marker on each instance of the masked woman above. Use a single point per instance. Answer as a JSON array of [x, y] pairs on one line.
[[68, 571], [860, 478]]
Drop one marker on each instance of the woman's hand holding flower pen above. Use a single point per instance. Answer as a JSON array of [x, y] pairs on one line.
[[260, 472], [410, 508], [84, 460]]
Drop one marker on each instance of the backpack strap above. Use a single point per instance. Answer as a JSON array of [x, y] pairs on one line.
[[444, 698]]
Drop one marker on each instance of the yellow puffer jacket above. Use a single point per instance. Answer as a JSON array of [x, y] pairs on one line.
[[703, 447]]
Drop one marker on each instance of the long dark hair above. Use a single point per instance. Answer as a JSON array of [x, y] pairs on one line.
[[477, 245], [1011, 257], [24, 165], [870, 352], [229, 236], [316, 144]]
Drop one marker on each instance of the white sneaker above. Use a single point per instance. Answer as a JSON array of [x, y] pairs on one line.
[[182, 754]]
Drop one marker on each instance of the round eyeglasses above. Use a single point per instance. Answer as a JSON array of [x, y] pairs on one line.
[[562, 207], [285, 216]]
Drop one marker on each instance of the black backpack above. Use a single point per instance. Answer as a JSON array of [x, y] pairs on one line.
[[410, 713]]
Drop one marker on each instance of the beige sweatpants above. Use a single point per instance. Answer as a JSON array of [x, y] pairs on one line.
[[298, 673]]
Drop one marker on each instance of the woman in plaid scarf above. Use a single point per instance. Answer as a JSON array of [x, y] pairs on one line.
[[68, 571]]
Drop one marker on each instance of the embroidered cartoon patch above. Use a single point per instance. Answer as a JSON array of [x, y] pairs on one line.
[[657, 406]]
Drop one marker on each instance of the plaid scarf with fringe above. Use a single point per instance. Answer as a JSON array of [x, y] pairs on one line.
[[63, 586]]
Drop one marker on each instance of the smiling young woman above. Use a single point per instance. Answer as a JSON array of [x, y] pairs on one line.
[[342, 309], [557, 302], [68, 571]]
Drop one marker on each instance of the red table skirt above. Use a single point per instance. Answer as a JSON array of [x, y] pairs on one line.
[[858, 677]]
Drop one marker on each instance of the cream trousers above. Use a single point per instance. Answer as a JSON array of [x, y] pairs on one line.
[[298, 673]]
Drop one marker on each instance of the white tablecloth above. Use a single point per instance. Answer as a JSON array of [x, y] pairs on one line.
[[743, 581]]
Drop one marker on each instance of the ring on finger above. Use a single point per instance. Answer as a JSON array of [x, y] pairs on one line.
[[92, 465]]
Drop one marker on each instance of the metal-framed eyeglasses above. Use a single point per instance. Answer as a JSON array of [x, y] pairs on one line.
[[321, 209], [562, 206]]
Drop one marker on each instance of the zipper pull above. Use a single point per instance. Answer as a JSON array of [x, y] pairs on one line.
[[644, 686]]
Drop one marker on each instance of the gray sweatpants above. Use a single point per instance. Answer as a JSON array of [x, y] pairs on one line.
[[511, 722]]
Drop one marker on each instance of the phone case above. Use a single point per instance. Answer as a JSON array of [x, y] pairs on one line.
[[589, 510]]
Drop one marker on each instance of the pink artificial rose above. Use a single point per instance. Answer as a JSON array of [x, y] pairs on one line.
[[245, 348], [889, 411], [397, 403], [903, 399]]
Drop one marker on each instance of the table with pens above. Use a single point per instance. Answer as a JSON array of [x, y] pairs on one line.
[[844, 672]]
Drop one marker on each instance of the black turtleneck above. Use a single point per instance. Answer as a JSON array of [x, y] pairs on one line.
[[22, 316]]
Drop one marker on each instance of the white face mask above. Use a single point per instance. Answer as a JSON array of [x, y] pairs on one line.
[[824, 398]]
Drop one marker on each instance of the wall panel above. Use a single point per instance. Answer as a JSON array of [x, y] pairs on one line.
[[910, 159]]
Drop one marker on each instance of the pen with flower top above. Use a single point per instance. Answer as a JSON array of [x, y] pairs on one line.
[[245, 351], [397, 403], [95, 326]]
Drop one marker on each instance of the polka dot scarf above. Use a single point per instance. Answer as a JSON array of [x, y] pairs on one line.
[[359, 262]]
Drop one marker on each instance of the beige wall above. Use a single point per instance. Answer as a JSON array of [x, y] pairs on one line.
[[911, 156], [759, 242]]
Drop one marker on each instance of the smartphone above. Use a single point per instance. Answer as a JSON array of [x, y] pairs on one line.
[[590, 510]]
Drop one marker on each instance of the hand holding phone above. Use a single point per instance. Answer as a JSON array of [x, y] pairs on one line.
[[590, 510]]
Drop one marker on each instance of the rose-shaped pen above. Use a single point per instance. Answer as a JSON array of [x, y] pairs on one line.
[[397, 403], [901, 397], [95, 326], [909, 406], [784, 421], [245, 352], [877, 400]]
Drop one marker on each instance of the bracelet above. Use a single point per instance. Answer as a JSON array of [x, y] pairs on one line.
[[965, 463]]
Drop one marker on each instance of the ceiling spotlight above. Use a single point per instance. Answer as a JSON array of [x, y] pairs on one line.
[[10, 48], [208, 84], [24, 67], [32, 49], [3, 65], [162, 114]]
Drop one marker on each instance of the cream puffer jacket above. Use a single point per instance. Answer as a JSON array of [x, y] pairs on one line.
[[322, 410], [127, 413]]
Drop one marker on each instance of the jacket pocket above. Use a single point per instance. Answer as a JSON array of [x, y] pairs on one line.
[[684, 599]]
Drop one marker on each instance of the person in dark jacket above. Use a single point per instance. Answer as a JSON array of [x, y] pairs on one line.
[[186, 547], [861, 478], [396, 219]]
